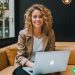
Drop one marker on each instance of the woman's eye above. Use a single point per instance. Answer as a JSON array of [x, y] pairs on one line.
[[35, 16], [40, 16]]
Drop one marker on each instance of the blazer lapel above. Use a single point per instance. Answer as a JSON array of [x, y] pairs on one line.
[[29, 40], [29, 44]]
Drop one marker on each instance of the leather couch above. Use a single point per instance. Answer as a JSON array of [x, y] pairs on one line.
[[8, 53]]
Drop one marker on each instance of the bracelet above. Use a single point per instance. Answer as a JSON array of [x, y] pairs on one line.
[[26, 62]]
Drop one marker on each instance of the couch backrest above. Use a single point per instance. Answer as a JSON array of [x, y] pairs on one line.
[[11, 52], [68, 46]]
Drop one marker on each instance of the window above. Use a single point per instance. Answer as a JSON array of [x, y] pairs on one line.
[[7, 25]]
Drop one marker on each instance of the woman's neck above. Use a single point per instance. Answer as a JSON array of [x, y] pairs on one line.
[[37, 32]]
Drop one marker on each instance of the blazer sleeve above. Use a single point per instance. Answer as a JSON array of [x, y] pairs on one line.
[[21, 47]]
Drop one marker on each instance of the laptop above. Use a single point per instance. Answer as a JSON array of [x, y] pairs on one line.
[[49, 62]]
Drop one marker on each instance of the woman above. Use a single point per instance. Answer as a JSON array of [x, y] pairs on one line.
[[38, 35]]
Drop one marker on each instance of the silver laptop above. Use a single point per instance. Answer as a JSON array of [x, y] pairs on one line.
[[49, 62]]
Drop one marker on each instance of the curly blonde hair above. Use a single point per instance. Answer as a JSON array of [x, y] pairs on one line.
[[47, 17]]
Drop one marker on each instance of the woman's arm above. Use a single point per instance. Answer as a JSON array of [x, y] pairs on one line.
[[20, 59]]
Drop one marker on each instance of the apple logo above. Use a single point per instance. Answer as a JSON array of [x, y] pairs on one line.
[[51, 62]]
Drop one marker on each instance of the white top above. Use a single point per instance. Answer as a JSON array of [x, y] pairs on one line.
[[37, 46]]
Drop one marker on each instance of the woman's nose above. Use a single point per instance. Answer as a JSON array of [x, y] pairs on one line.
[[37, 18]]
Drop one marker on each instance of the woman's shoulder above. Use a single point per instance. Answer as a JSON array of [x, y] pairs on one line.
[[23, 32]]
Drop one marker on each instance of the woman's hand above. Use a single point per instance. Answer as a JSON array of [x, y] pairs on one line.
[[25, 61], [29, 64]]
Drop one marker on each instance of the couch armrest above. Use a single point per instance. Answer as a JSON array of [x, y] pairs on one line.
[[3, 60]]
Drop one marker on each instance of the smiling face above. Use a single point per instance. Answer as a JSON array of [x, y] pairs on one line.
[[37, 19]]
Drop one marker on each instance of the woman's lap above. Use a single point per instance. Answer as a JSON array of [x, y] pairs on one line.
[[20, 71]]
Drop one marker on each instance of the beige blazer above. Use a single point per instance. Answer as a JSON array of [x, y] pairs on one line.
[[25, 44]]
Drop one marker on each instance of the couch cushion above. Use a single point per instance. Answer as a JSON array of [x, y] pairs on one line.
[[3, 60], [11, 53], [7, 71], [69, 70]]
